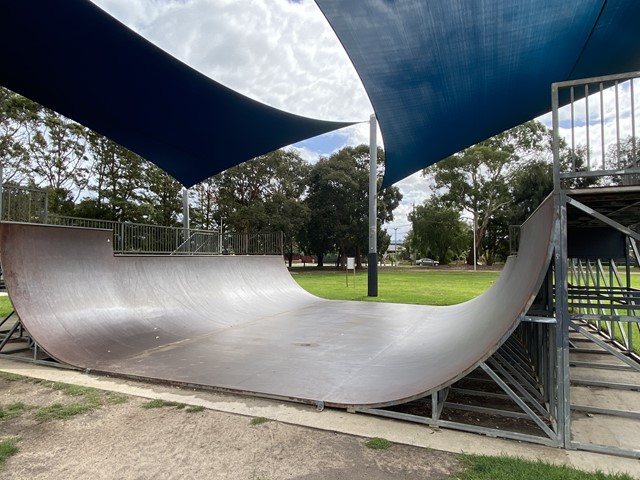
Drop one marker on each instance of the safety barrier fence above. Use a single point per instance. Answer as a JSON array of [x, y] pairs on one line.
[[137, 238], [599, 124], [30, 205]]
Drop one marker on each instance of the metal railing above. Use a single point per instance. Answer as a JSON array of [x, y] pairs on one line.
[[30, 205], [599, 295], [22, 204], [600, 123], [142, 239]]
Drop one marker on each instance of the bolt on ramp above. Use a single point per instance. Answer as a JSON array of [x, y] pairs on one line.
[[242, 324]]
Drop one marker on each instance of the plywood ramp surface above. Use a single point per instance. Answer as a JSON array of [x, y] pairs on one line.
[[242, 323]]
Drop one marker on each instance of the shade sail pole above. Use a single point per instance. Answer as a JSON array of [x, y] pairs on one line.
[[185, 218], [373, 220]]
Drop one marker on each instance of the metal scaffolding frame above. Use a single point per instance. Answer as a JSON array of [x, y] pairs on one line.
[[580, 299]]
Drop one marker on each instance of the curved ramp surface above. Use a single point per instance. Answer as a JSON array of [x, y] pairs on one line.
[[243, 324]]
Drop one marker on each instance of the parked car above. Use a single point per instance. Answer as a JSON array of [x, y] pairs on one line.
[[427, 262]]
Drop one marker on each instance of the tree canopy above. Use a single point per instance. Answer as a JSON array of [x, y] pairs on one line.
[[495, 183], [320, 208], [338, 201]]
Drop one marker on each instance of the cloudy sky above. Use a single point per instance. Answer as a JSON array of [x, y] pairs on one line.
[[285, 54], [282, 53]]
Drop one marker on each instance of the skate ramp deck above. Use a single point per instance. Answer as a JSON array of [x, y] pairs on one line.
[[241, 323]]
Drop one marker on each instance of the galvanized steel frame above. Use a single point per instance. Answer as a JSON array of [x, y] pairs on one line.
[[533, 367], [598, 303]]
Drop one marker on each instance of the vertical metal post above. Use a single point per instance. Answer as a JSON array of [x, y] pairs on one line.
[[475, 247], [46, 207], [627, 272], [560, 357], [555, 104], [185, 219], [373, 216], [220, 234], [562, 322], [395, 249], [1, 192]]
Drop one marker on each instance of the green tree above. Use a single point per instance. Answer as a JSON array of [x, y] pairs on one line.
[[477, 181], [246, 193], [117, 177], [204, 212], [162, 199], [338, 202], [57, 152], [438, 231], [19, 118], [625, 155], [529, 186], [319, 233], [261, 195]]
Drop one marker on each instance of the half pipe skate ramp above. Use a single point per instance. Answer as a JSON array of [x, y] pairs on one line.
[[243, 324]]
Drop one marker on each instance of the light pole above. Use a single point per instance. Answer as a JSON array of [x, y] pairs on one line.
[[395, 248]]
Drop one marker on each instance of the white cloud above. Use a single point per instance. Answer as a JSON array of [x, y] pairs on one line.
[[281, 53], [415, 190], [305, 153]]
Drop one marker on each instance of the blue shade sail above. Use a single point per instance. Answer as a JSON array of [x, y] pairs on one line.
[[74, 58], [445, 74]]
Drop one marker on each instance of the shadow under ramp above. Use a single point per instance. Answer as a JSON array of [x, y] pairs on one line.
[[242, 324]]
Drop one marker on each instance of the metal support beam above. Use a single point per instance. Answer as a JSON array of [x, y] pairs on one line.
[[604, 345], [561, 359], [601, 384], [438, 399], [490, 432], [373, 210], [604, 219], [185, 219], [606, 411], [530, 413]]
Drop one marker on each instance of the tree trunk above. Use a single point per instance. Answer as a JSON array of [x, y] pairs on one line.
[[342, 257], [320, 260]]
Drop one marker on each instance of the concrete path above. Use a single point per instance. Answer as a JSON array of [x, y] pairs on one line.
[[335, 420]]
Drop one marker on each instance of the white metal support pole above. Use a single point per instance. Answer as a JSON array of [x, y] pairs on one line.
[[475, 248], [220, 234], [395, 249], [185, 218], [373, 208]]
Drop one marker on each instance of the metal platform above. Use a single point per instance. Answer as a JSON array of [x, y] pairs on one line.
[[243, 324]]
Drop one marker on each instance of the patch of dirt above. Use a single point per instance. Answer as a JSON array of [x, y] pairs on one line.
[[127, 441]]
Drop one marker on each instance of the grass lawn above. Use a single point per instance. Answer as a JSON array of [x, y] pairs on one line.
[[480, 467], [5, 306], [410, 285]]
